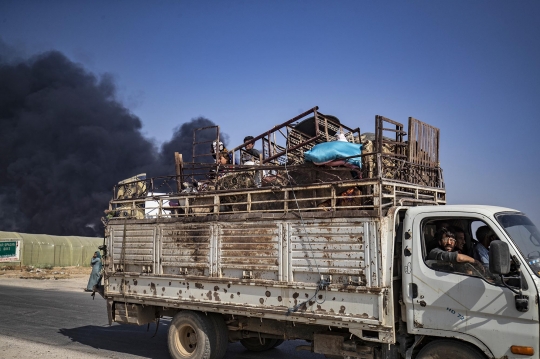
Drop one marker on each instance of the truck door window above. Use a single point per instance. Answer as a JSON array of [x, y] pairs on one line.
[[451, 240], [474, 227]]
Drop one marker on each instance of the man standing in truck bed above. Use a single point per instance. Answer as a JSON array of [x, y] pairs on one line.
[[250, 153]]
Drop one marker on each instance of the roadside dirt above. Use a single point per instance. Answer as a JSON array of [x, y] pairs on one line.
[[29, 272], [59, 278]]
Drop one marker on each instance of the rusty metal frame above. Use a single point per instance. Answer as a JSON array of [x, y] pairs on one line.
[[297, 142], [372, 195], [398, 142], [404, 171], [196, 142], [423, 146]]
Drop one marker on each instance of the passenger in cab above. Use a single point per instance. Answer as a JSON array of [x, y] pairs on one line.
[[446, 249], [485, 236], [461, 244]]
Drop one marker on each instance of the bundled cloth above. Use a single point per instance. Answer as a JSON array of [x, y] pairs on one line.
[[333, 154]]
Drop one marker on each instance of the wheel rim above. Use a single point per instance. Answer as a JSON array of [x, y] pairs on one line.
[[186, 340]]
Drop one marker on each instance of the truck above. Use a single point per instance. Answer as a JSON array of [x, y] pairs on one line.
[[336, 255]]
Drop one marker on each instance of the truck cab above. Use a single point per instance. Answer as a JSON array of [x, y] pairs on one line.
[[496, 314]]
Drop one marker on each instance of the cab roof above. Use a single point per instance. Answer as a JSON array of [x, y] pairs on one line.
[[450, 209]]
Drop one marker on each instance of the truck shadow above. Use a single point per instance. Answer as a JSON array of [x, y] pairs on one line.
[[128, 339], [137, 341]]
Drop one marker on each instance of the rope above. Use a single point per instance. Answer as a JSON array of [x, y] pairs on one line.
[[123, 263], [157, 326]]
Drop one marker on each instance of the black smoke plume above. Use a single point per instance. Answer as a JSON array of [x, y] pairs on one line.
[[64, 142], [183, 142]]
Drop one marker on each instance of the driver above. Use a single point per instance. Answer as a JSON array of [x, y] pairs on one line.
[[445, 250]]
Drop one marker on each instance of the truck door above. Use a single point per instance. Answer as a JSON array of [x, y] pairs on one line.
[[462, 301]]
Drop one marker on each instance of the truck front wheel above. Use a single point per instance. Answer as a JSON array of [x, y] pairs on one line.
[[449, 349], [191, 336]]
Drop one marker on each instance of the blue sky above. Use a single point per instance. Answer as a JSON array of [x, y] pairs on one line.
[[471, 68]]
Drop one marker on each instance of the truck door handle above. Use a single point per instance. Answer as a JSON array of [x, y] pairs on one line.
[[414, 290]]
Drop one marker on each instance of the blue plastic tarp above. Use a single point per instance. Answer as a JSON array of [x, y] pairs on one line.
[[330, 152]]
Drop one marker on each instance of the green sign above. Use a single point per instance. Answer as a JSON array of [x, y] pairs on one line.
[[8, 249]]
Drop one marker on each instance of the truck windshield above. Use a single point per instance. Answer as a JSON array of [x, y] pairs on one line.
[[525, 235]]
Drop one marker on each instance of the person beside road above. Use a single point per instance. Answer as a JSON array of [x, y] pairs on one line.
[[95, 275]]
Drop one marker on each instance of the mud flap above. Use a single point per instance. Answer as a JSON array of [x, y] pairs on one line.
[[128, 313], [110, 310]]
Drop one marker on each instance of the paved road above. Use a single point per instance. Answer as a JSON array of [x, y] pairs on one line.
[[75, 322]]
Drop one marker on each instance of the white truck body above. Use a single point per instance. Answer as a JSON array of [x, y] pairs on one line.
[[262, 268], [337, 258]]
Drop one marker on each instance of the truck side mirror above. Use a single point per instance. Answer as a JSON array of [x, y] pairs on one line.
[[499, 257]]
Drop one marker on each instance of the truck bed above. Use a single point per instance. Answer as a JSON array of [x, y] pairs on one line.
[[319, 268]]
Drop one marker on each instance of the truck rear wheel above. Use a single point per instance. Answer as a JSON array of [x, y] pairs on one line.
[[449, 349], [255, 345], [222, 335], [191, 336]]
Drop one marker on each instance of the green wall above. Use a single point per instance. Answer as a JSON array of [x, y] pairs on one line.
[[44, 250]]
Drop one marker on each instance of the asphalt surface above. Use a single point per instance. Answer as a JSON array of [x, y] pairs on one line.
[[76, 323]]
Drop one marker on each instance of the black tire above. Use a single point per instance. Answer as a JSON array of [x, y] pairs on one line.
[[222, 335], [449, 349], [278, 343], [254, 344], [191, 336]]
